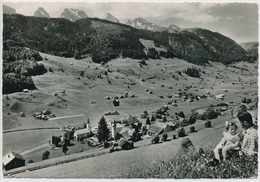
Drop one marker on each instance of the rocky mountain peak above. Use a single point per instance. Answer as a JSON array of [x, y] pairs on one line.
[[8, 10], [129, 22], [141, 23], [40, 12], [110, 17], [73, 14]]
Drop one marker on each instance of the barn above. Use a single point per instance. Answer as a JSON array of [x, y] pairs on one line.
[[12, 160], [82, 134]]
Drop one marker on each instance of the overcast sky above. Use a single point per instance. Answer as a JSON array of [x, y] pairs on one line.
[[238, 21]]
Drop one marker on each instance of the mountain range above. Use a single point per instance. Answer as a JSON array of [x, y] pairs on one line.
[[141, 23], [103, 40], [73, 14]]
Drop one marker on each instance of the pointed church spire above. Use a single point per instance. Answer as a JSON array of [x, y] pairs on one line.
[[88, 127]]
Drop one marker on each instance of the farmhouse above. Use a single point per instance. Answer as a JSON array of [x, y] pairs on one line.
[[128, 134], [116, 102], [22, 114], [25, 90], [82, 134], [12, 160], [92, 101], [154, 129], [220, 96], [169, 127]]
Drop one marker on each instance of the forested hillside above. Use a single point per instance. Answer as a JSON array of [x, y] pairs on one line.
[[104, 40], [19, 64]]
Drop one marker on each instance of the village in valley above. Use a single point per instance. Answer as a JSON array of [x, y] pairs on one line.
[[154, 110], [131, 113]]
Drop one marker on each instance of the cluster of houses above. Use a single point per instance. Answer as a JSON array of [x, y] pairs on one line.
[[107, 113], [127, 129], [124, 95], [185, 97], [43, 115]]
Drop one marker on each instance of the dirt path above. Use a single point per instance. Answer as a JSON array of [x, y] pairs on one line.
[[62, 117], [34, 149], [141, 84]]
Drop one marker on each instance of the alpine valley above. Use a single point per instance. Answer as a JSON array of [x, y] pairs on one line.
[[85, 97]]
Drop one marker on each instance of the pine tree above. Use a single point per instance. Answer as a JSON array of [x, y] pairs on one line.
[[103, 131], [64, 149], [164, 119], [148, 122]]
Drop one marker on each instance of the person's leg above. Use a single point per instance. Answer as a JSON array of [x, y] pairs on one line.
[[225, 152], [216, 151]]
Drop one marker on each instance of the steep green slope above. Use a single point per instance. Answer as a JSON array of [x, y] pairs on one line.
[[200, 45]]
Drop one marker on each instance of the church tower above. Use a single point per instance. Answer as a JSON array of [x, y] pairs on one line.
[[88, 124], [113, 129]]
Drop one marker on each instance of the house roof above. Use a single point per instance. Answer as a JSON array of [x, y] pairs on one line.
[[220, 95], [119, 127], [10, 156], [163, 125], [127, 132], [82, 131], [155, 128]]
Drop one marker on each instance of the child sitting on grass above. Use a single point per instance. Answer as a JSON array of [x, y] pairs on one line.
[[230, 141]]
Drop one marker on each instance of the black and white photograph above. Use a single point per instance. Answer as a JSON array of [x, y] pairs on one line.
[[129, 89]]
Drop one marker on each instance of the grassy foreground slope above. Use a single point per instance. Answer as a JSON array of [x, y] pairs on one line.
[[144, 161]]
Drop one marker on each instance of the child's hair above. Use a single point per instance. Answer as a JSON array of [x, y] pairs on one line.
[[230, 124]]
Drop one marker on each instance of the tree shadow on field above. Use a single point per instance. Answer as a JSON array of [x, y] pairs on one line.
[[167, 140]]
